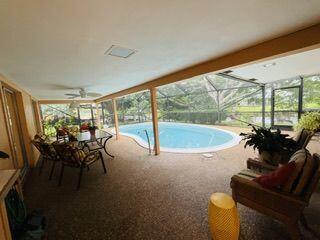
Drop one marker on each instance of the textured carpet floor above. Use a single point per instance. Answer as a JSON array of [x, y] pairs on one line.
[[148, 197]]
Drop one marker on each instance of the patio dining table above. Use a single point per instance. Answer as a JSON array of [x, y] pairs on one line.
[[94, 142]]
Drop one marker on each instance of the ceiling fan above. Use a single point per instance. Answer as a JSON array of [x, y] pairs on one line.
[[82, 94]]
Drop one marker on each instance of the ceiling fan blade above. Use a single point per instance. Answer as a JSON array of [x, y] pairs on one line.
[[92, 94], [61, 87], [72, 94]]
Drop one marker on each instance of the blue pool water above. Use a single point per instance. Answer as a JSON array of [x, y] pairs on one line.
[[180, 137]]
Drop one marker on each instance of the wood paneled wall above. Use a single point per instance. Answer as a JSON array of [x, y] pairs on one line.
[[30, 127]]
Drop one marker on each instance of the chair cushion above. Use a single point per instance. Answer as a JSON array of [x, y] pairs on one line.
[[298, 180], [62, 132], [79, 154], [277, 178]]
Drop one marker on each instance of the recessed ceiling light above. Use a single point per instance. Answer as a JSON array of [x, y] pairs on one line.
[[269, 64], [118, 51]]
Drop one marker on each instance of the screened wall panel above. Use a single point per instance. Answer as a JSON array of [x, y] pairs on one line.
[[61, 115], [311, 93], [57, 115], [210, 99], [87, 113], [134, 108], [135, 117], [245, 107], [106, 114]]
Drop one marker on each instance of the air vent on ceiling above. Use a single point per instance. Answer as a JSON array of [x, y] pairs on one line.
[[118, 51]]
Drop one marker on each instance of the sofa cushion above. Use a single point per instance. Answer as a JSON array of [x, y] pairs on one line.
[[277, 178], [303, 172]]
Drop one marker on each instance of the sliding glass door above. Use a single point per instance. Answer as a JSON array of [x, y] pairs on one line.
[[285, 106]]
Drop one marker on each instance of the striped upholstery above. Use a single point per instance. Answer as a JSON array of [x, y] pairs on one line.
[[302, 138], [299, 179]]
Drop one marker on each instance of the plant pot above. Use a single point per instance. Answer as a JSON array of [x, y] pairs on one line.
[[271, 158], [265, 156], [285, 156], [276, 159]]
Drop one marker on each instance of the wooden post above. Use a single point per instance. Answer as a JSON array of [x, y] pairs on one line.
[[38, 117], [154, 109], [116, 123], [102, 112], [98, 117], [92, 115], [263, 91]]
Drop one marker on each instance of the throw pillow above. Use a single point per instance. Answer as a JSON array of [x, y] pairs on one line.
[[276, 178]]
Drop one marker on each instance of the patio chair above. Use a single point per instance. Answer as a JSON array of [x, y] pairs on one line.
[[62, 134], [47, 153], [303, 138], [72, 156], [285, 207]]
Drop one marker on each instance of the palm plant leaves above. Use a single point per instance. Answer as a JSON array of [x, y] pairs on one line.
[[264, 139]]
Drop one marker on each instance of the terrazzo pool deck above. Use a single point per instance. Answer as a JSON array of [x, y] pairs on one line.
[[150, 197]]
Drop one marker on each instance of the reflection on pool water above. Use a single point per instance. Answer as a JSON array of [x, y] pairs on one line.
[[182, 137]]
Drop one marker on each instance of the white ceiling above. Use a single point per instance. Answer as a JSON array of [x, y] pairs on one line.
[[301, 64], [45, 44]]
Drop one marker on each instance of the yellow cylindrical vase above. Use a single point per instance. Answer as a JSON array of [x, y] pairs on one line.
[[223, 217]]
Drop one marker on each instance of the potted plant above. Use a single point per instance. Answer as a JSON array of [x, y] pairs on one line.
[[309, 121], [84, 127], [274, 147]]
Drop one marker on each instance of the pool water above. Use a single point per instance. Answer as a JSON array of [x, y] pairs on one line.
[[181, 137]]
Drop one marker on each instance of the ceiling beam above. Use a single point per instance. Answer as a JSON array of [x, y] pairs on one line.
[[64, 101], [299, 41]]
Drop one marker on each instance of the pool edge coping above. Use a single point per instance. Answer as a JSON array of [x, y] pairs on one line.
[[235, 140]]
